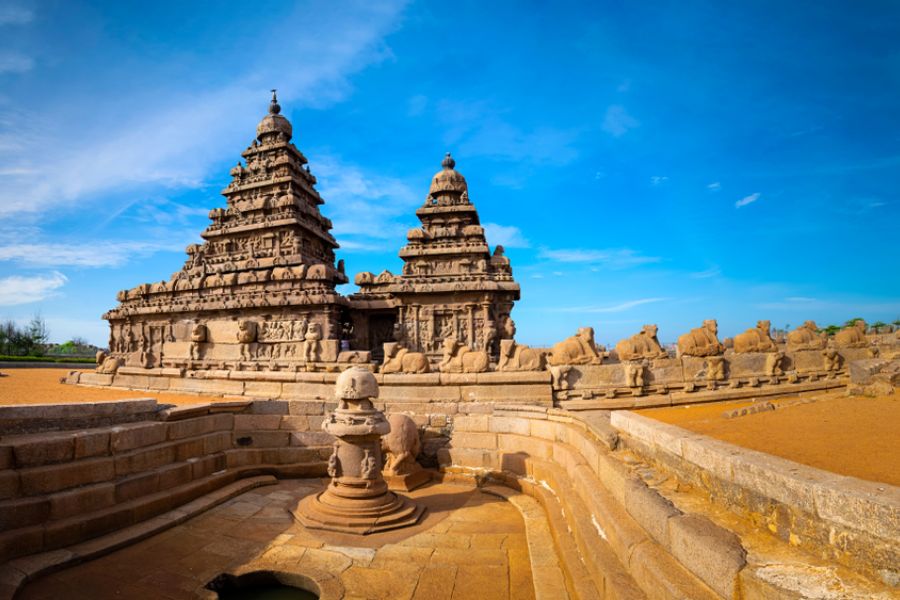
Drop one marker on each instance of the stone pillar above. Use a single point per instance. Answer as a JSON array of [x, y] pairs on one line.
[[357, 500]]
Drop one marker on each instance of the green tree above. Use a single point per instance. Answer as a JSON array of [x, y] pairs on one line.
[[852, 322], [831, 329]]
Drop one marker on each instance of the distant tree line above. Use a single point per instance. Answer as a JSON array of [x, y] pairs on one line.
[[33, 338]]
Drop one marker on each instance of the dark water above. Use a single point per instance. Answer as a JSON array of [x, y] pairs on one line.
[[267, 592]]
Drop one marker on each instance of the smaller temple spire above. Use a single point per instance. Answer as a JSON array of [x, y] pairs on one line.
[[275, 108]]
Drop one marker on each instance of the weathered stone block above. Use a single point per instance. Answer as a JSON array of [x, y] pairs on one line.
[[23, 512], [263, 389], [650, 510], [298, 423], [484, 441], [189, 449], [302, 407], [9, 484], [311, 438], [544, 429], [128, 437], [256, 422], [262, 439], [478, 423], [144, 460], [42, 449], [217, 442], [174, 475], [270, 407], [82, 500], [52, 478], [90, 443], [712, 553]]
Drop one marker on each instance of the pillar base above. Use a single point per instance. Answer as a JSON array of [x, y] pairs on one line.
[[330, 512]]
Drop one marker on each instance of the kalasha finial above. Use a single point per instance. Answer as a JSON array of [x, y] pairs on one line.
[[448, 162], [274, 107]]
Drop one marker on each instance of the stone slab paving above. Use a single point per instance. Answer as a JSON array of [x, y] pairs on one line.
[[469, 545]]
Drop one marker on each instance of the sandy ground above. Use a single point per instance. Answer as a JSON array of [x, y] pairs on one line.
[[854, 435], [42, 386]]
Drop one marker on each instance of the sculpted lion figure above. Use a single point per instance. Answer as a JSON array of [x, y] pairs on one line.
[[107, 364], [806, 337], [641, 345], [702, 341], [401, 446], [514, 357], [458, 358], [398, 359], [757, 339], [576, 350], [853, 336]]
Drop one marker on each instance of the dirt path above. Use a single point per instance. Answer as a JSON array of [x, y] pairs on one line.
[[854, 436], [42, 386]]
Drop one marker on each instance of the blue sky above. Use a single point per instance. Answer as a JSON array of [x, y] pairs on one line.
[[642, 162]]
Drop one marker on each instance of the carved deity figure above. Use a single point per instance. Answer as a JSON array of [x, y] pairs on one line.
[[832, 360], [641, 345], [199, 334], [758, 339], [460, 359], [774, 361], [715, 368], [515, 357], [398, 359], [246, 336], [312, 348], [369, 466], [579, 349], [853, 336], [701, 341], [806, 337], [334, 463], [634, 374], [401, 446], [489, 337]]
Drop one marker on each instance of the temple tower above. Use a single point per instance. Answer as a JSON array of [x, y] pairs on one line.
[[451, 286], [261, 286]]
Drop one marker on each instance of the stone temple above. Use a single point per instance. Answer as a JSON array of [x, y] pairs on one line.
[[252, 426]]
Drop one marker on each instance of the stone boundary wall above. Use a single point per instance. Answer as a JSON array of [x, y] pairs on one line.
[[621, 538], [33, 418], [848, 520]]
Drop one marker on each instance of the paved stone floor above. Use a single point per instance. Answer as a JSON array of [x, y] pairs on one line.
[[469, 545]]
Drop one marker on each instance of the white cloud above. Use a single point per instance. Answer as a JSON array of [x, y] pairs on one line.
[[615, 308], [715, 186], [17, 289], [11, 62], [658, 179], [614, 258], [11, 14], [95, 254], [172, 138], [747, 200], [713, 271], [417, 105], [617, 121], [508, 236]]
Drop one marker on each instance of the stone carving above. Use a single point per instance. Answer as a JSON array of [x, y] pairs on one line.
[[576, 350], [701, 341], [312, 349], [757, 339], [107, 364], [459, 359], [853, 336], [634, 374], [641, 345], [401, 446], [774, 360], [832, 361], [806, 337], [199, 334], [515, 357], [397, 359], [715, 370], [246, 337], [357, 500]]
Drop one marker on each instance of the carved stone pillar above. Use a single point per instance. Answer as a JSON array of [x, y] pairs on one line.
[[357, 500]]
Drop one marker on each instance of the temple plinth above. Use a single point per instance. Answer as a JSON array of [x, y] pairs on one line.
[[357, 500]]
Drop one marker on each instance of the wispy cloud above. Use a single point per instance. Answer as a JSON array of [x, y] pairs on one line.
[[13, 62], [614, 308], [747, 200], [715, 186], [617, 122], [13, 14], [508, 236], [658, 180], [713, 271], [617, 258], [95, 254], [18, 289], [417, 105]]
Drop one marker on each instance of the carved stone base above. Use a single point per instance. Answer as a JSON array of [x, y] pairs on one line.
[[409, 481], [337, 510]]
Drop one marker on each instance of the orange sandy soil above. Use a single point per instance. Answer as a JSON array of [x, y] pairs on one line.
[[42, 386], [853, 435]]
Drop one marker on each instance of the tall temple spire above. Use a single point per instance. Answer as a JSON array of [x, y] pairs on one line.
[[274, 107]]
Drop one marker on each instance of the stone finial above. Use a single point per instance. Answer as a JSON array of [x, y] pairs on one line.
[[448, 162], [274, 107], [356, 383]]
